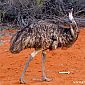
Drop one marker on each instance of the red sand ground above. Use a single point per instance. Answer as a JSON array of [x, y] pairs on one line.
[[72, 59]]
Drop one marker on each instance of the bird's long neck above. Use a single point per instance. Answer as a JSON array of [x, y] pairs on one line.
[[73, 26]]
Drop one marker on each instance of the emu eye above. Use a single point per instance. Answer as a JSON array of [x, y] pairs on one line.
[[70, 21]]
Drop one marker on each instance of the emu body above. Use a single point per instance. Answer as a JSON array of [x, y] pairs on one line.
[[43, 35]]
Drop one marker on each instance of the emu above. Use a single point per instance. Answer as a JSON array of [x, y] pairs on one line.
[[43, 35]]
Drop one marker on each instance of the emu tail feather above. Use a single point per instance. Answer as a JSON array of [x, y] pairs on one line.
[[17, 41]]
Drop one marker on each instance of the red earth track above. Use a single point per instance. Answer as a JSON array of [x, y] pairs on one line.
[[71, 59]]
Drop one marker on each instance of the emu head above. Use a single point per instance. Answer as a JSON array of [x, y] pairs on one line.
[[71, 18], [15, 43]]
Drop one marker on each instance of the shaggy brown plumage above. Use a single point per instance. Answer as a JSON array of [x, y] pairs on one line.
[[42, 35]]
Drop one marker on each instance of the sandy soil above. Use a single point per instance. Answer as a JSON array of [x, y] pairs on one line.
[[72, 60]]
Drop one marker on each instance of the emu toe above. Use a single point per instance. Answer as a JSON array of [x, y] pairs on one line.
[[46, 79], [22, 81]]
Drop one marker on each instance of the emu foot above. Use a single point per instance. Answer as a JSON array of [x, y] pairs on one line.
[[22, 81], [46, 79]]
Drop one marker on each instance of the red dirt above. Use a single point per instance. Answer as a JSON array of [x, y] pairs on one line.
[[72, 59]]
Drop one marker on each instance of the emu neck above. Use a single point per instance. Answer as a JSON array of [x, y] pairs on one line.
[[73, 26], [74, 32]]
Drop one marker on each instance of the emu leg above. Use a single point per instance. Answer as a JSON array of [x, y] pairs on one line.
[[44, 77], [27, 64]]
